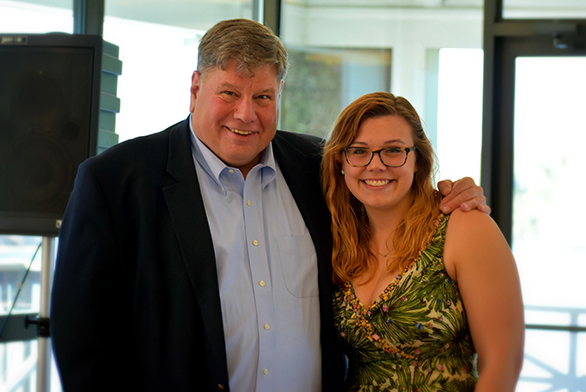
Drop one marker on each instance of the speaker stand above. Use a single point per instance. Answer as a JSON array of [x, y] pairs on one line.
[[45, 354]]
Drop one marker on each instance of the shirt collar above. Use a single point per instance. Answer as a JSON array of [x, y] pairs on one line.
[[214, 166]]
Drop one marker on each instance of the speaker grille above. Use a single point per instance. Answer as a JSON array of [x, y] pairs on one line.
[[48, 115]]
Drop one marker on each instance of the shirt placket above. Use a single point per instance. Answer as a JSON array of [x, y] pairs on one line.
[[260, 274]]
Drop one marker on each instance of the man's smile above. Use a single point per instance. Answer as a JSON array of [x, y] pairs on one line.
[[239, 132]]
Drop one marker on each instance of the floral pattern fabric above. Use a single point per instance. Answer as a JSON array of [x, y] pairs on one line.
[[415, 337]]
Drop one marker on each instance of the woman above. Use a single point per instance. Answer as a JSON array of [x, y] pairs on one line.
[[422, 295]]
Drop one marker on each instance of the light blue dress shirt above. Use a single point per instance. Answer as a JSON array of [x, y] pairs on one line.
[[267, 274]]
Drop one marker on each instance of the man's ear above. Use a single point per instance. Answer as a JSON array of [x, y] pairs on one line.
[[195, 87]]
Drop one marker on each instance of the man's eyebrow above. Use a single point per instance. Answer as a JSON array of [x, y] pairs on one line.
[[232, 86], [266, 90], [229, 85]]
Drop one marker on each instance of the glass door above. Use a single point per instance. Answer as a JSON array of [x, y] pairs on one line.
[[548, 222]]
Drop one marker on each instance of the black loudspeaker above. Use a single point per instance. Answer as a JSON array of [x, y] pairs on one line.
[[49, 109]]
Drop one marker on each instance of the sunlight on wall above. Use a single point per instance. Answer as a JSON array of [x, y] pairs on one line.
[[460, 113], [157, 64]]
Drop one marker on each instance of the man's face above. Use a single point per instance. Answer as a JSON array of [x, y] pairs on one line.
[[235, 115]]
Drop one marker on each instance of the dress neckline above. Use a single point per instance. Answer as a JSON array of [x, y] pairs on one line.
[[382, 297], [351, 296]]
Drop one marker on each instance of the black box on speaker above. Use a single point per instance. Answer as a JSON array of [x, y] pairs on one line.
[[49, 114]]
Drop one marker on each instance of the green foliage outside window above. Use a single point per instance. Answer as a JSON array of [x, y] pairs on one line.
[[312, 94]]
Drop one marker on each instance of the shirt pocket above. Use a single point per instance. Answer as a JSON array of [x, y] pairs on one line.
[[299, 265]]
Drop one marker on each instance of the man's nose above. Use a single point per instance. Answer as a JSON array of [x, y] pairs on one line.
[[244, 110]]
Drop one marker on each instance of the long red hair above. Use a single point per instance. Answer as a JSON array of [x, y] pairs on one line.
[[351, 256]]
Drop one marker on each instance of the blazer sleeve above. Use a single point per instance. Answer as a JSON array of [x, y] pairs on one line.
[[89, 298]]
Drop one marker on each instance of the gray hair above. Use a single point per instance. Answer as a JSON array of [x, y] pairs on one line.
[[250, 43]]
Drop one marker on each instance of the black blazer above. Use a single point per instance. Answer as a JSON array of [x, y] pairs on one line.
[[135, 302]]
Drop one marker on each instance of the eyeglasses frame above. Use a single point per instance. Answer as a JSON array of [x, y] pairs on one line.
[[372, 152]]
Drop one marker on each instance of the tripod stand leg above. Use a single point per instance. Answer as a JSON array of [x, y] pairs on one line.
[[45, 352]]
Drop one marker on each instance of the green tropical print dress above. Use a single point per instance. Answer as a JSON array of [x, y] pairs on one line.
[[415, 337]]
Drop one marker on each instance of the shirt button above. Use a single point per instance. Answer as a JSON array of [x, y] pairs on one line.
[[266, 371], [262, 283], [267, 327], [248, 203], [231, 171], [255, 242]]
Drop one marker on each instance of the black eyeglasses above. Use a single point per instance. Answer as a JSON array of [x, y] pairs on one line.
[[390, 156]]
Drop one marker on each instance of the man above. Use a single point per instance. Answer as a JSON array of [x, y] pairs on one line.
[[198, 258]]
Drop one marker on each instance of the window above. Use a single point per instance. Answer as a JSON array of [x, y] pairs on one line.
[[459, 119], [158, 49], [333, 78], [157, 63], [19, 371], [431, 55], [548, 232], [29, 17]]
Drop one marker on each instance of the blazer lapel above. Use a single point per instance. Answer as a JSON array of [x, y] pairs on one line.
[[301, 171], [193, 234]]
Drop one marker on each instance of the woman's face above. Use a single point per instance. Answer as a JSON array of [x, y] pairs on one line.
[[377, 186]]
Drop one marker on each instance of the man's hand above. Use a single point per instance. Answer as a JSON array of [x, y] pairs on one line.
[[463, 193]]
